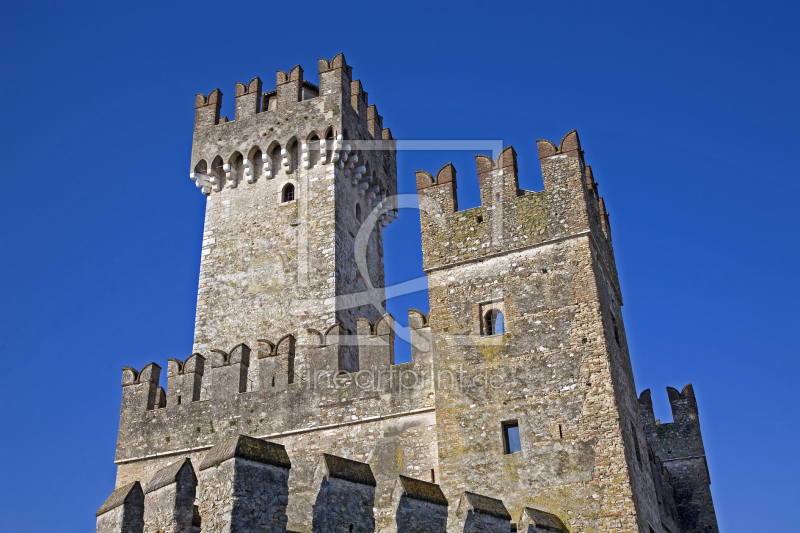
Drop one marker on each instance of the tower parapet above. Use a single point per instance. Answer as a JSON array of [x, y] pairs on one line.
[[509, 217], [678, 445], [290, 183], [524, 292]]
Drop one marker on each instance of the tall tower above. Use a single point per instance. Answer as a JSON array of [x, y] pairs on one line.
[[535, 399], [289, 184]]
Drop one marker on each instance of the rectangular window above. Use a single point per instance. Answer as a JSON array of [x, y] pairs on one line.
[[511, 442]]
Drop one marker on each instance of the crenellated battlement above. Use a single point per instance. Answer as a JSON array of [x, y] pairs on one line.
[[678, 447], [219, 391], [290, 183], [509, 217], [680, 438], [296, 108], [243, 484]]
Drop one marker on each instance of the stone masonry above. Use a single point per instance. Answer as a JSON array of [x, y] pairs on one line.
[[518, 410]]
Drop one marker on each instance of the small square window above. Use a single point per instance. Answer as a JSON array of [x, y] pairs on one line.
[[511, 442]]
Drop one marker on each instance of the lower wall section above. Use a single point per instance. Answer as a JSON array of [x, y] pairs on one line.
[[400, 445]]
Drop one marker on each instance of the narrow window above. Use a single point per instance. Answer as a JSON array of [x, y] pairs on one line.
[[511, 442], [288, 193], [216, 169], [295, 153], [276, 160], [560, 433], [290, 370], [493, 322], [358, 212], [616, 331], [273, 381], [636, 444], [258, 164], [313, 151], [328, 147], [179, 399], [433, 475]]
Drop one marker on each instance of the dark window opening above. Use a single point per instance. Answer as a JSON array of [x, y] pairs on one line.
[[616, 331], [179, 399], [358, 212], [313, 151], [636, 445], [513, 526], [273, 381], [479, 219], [433, 475], [294, 152], [511, 442], [351, 528], [275, 163], [493, 323], [288, 193], [544, 271], [216, 169], [560, 432], [328, 147]]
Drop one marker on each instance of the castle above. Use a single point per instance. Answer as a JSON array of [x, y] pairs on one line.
[[518, 410]]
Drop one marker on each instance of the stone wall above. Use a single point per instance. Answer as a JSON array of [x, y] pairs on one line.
[[560, 371], [123, 510], [269, 265], [243, 486], [292, 344], [382, 415], [678, 446]]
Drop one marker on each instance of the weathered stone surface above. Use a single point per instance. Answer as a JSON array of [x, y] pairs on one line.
[[169, 500], [292, 343], [421, 507], [536, 521], [678, 449], [481, 514], [249, 449], [123, 511], [243, 487], [270, 267], [345, 498]]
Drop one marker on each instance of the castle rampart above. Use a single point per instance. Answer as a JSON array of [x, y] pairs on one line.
[[518, 408], [384, 412], [243, 484], [678, 446]]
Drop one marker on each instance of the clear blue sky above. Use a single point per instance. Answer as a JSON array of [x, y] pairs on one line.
[[687, 111]]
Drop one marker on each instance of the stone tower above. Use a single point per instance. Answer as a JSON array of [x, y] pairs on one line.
[[289, 182], [529, 340], [517, 411]]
